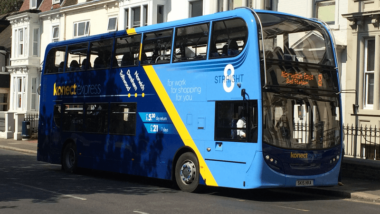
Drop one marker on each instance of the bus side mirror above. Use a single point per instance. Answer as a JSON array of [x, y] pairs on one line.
[[243, 93], [39, 89]]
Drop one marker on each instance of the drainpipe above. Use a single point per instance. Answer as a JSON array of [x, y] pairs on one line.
[[64, 26]]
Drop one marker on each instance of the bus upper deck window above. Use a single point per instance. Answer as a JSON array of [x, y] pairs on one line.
[[127, 51], [100, 54], [191, 43], [228, 38], [157, 47], [55, 60], [77, 57]]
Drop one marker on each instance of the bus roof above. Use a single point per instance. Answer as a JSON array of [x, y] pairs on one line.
[[183, 22]]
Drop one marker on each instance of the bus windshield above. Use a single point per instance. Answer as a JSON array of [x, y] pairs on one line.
[[303, 120], [293, 39], [300, 101]]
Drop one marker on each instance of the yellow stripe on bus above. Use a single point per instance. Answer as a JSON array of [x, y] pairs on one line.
[[131, 31], [178, 123]]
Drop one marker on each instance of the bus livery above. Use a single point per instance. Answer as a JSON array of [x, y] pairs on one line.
[[242, 99]]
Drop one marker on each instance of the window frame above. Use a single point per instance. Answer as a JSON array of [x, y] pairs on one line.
[[126, 17], [141, 62], [174, 47], [211, 34], [163, 13], [191, 7], [116, 24], [31, 4], [36, 42], [85, 117], [115, 48], [6, 95], [33, 93], [248, 118], [132, 12], [54, 39], [336, 15], [62, 117], [20, 41], [366, 73], [86, 32]]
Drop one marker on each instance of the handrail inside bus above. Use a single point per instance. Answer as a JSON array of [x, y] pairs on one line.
[[262, 41]]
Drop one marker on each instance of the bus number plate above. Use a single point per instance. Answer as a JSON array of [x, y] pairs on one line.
[[304, 183]]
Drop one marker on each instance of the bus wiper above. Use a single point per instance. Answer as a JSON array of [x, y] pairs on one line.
[[297, 87]]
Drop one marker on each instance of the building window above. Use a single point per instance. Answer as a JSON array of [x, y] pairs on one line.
[[250, 3], [369, 76], [160, 13], [325, 11], [81, 29], [126, 18], [56, 1], [36, 33], [34, 94], [55, 34], [232, 4], [20, 42], [196, 8], [19, 92], [3, 102], [112, 24], [136, 17], [33, 4], [220, 6], [268, 5], [145, 15]]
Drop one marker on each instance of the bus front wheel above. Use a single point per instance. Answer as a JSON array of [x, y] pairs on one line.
[[187, 172], [69, 158]]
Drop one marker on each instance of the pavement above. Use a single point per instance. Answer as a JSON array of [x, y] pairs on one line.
[[354, 188]]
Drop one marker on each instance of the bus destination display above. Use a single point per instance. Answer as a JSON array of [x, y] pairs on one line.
[[302, 79]]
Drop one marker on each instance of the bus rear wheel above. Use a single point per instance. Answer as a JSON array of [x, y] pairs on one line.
[[69, 158], [187, 172]]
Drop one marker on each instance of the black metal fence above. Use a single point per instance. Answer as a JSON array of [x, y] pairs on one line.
[[33, 119], [362, 142], [2, 124]]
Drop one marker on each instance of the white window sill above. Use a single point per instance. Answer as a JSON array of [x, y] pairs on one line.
[[334, 27]]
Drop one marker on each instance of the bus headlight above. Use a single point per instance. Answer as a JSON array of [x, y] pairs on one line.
[[267, 157], [337, 157]]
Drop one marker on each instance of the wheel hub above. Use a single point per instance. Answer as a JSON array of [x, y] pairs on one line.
[[187, 172], [70, 158]]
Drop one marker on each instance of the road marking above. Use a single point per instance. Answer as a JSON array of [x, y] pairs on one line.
[[140, 212], [57, 193], [293, 208]]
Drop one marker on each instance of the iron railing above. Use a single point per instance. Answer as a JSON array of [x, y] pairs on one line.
[[362, 142], [33, 119]]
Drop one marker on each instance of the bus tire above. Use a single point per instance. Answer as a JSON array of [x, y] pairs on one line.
[[69, 158], [187, 172]]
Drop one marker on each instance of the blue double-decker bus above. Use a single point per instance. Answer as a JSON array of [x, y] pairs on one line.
[[242, 99]]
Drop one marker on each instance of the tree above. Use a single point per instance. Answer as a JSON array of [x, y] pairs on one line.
[[7, 6]]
